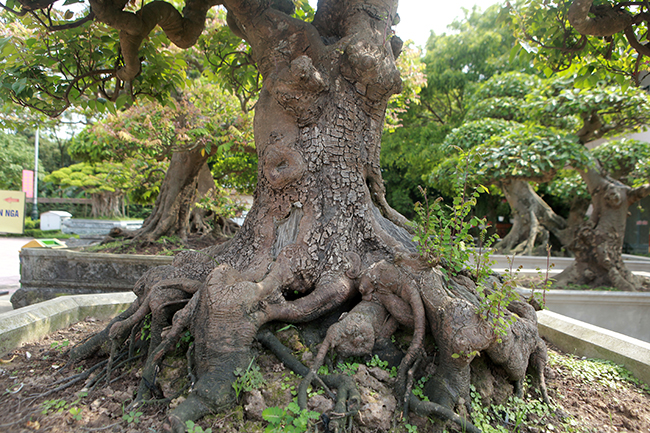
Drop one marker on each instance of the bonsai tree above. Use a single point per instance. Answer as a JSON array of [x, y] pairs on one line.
[[107, 184], [511, 159], [456, 63], [615, 181], [503, 143], [320, 232], [513, 144], [203, 125]]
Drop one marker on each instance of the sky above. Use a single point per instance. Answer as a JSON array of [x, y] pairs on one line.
[[419, 17]]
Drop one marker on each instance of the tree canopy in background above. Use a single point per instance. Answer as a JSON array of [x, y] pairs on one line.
[[16, 154], [76, 65], [128, 153], [592, 40], [476, 48]]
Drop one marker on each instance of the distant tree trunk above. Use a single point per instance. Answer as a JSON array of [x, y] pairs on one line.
[[534, 220], [173, 207], [205, 184], [106, 204], [598, 242]]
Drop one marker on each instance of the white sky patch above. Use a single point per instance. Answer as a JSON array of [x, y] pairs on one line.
[[419, 17]]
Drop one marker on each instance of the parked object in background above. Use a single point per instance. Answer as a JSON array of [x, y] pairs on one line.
[[45, 243], [52, 220]]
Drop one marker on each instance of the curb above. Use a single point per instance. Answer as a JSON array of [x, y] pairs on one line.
[[585, 340], [33, 322]]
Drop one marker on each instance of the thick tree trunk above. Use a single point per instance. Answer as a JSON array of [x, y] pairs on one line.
[[205, 185], [534, 221], [598, 242], [106, 204], [320, 231], [173, 207]]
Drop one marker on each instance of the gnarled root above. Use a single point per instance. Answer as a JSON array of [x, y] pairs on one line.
[[180, 323], [353, 335], [211, 393], [348, 399], [461, 333], [521, 348], [142, 289], [428, 408], [397, 290]]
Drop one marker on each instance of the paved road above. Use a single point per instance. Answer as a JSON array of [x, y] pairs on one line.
[[9, 269]]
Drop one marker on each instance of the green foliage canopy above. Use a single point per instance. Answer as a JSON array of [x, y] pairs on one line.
[[542, 134], [16, 154], [548, 38], [50, 71]]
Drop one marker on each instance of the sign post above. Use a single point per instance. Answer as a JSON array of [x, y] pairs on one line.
[[12, 211]]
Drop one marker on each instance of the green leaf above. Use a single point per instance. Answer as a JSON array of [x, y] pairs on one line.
[[293, 407], [274, 414]]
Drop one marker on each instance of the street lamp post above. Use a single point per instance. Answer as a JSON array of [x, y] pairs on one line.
[[35, 206]]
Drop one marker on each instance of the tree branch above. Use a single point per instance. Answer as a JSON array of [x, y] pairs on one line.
[[72, 25], [20, 13], [607, 21], [183, 30], [35, 5], [65, 98], [638, 193], [591, 124], [634, 42]]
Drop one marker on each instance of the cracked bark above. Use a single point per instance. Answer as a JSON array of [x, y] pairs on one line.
[[598, 242]]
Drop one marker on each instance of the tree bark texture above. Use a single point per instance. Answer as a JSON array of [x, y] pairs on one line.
[[598, 242], [178, 192], [205, 184], [106, 204], [320, 231], [534, 221]]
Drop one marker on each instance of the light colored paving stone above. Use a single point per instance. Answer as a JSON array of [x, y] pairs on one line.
[[35, 321], [5, 304]]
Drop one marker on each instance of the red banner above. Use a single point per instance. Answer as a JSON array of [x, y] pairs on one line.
[[28, 183]]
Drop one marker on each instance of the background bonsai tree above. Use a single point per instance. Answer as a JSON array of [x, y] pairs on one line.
[[616, 180], [107, 184], [475, 49], [202, 127], [512, 143]]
